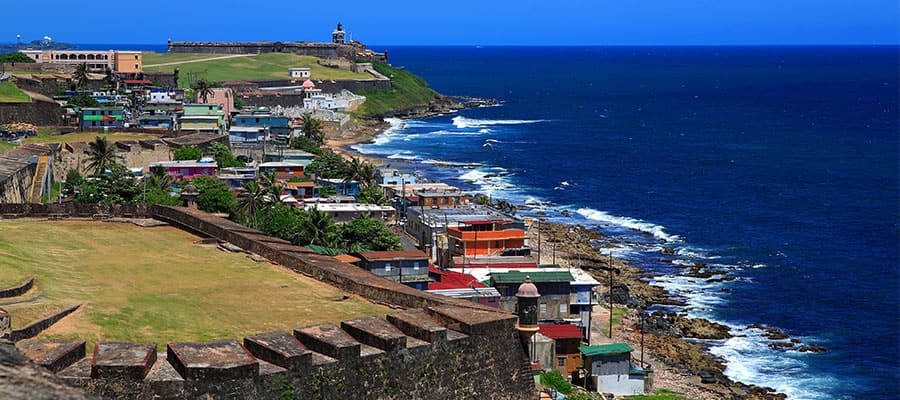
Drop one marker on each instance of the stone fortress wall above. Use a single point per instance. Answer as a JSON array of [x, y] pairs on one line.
[[17, 166], [436, 347]]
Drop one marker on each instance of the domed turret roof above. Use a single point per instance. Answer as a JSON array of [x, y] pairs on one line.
[[527, 289], [308, 84]]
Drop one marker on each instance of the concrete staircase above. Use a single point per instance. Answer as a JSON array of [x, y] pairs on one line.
[[40, 178]]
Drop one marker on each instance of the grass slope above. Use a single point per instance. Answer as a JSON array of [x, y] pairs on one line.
[[10, 93], [408, 90], [5, 146], [263, 66], [44, 137], [155, 285]]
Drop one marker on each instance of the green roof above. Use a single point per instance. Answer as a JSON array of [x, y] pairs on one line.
[[603, 349], [536, 277]]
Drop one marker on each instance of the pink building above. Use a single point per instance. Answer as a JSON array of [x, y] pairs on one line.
[[223, 97], [188, 169]]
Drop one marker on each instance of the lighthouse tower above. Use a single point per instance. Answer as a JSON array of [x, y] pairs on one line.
[[338, 35], [527, 306]]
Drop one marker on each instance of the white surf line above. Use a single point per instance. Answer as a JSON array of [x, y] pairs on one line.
[[199, 60]]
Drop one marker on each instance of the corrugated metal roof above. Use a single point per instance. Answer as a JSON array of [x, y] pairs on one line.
[[467, 293], [392, 255], [602, 349], [536, 277]]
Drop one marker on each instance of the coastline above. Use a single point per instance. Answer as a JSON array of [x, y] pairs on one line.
[[681, 361]]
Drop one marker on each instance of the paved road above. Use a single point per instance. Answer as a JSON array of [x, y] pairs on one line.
[[200, 60]]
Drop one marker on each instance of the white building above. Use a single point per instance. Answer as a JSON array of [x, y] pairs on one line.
[[345, 212], [296, 73]]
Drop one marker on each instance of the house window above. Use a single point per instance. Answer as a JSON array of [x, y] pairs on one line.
[[416, 265], [135, 57], [562, 308], [136, 66], [543, 308], [387, 267], [560, 361]]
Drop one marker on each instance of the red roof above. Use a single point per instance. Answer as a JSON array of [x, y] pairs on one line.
[[561, 331], [308, 84], [393, 255], [136, 81], [453, 280], [499, 265]]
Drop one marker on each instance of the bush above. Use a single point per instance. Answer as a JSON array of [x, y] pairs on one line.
[[214, 195], [223, 156], [187, 153], [369, 233], [17, 57], [83, 100], [554, 380]]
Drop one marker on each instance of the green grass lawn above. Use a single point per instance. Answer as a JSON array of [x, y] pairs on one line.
[[44, 137], [5, 146], [10, 93], [263, 66], [408, 90], [155, 285]]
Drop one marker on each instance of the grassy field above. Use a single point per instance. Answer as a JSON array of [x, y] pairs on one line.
[[660, 394], [44, 137], [155, 285], [263, 66], [10, 93], [4, 146], [408, 90]]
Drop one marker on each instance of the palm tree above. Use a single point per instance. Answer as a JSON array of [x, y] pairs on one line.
[[317, 227], [202, 89], [312, 128], [100, 155], [252, 200], [361, 171], [272, 188], [81, 75]]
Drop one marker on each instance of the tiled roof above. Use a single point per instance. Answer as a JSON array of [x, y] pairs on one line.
[[392, 255]]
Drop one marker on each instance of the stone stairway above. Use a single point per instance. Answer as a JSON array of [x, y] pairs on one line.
[[40, 177]]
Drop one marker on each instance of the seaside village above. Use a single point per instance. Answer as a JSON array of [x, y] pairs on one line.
[[263, 142]]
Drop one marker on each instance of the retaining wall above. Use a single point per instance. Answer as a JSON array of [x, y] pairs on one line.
[[439, 348], [36, 112]]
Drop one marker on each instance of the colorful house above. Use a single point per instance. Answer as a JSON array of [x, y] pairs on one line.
[[611, 371], [407, 267], [261, 118], [283, 170], [101, 117], [566, 338], [485, 237], [203, 118], [345, 188], [462, 286], [187, 169]]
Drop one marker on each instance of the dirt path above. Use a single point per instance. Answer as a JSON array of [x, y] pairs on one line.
[[199, 60]]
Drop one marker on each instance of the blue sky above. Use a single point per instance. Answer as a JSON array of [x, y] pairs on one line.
[[463, 22]]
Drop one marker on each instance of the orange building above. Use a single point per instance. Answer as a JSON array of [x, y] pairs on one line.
[[128, 62], [484, 238]]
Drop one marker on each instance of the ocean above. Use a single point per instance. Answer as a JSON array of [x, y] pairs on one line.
[[779, 165]]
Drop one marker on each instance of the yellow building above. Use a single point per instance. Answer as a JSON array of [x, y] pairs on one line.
[[96, 60]]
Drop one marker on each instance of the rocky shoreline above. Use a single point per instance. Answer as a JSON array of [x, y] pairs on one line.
[[670, 338]]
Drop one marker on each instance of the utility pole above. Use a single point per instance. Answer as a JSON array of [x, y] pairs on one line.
[[539, 241], [611, 307]]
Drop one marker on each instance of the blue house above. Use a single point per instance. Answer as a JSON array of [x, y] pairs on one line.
[[247, 134], [277, 125], [345, 188]]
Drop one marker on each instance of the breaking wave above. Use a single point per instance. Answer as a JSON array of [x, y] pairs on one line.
[[463, 122], [627, 222]]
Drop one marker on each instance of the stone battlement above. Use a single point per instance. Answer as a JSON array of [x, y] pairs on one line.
[[413, 354], [437, 347]]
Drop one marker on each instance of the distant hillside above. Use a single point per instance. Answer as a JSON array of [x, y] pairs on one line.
[[409, 91], [225, 67]]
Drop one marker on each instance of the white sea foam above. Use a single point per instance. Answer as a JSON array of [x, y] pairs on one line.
[[403, 155], [463, 122], [484, 130], [631, 223], [750, 360]]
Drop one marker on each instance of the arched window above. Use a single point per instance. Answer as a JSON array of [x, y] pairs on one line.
[[82, 57], [90, 56]]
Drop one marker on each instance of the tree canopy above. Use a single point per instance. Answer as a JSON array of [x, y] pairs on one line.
[[16, 57], [187, 153]]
